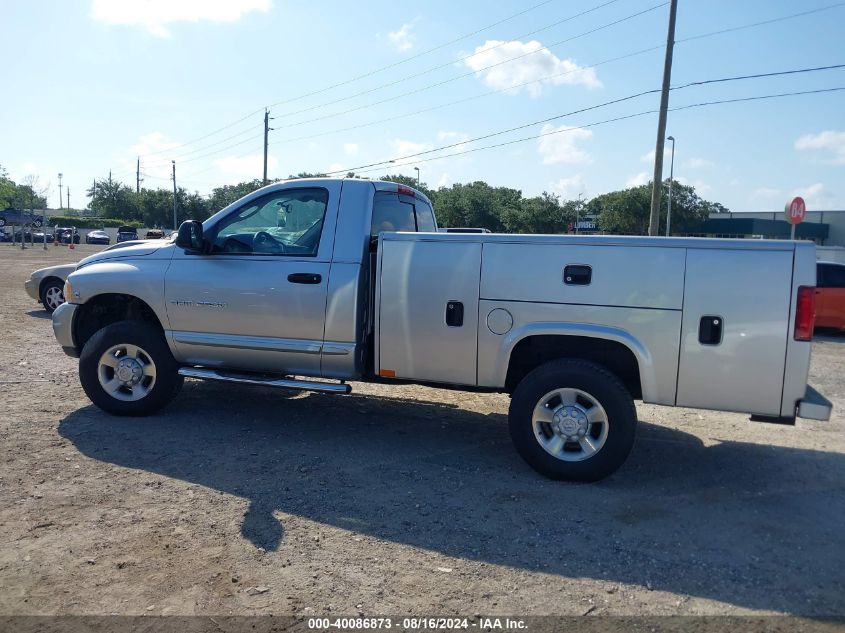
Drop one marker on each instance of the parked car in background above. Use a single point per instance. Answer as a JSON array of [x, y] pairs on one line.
[[154, 234], [830, 295], [47, 285], [97, 237], [127, 234], [32, 236], [20, 217], [64, 234]]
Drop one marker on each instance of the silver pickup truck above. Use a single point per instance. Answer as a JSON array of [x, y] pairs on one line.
[[307, 284]]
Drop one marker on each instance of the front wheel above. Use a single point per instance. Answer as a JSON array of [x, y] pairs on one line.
[[572, 420], [52, 295], [127, 369]]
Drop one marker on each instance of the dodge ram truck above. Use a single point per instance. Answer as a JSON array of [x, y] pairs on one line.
[[309, 284]]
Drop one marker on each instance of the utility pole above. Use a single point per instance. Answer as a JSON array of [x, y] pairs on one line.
[[60, 190], [657, 184], [267, 129], [138, 175], [68, 196], [93, 194], [174, 194]]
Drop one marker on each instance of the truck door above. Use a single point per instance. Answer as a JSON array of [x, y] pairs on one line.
[[734, 329], [258, 300]]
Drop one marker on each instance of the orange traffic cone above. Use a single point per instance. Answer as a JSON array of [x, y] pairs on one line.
[[71, 244]]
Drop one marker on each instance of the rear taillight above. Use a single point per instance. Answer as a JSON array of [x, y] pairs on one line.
[[805, 313], [406, 191]]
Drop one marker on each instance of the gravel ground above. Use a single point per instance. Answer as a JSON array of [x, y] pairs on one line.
[[394, 500]]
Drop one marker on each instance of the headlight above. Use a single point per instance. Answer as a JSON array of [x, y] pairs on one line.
[[68, 290]]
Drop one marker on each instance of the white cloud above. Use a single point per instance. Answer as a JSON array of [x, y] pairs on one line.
[[701, 187], [542, 67], [404, 147], [336, 167], [698, 163], [351, 149], [155, 15], [443, 181], [451, 138], [569, 188], [560, 144], [829, 141], [648, 157], [402, 39], [816, 196], [638, 180], [247, 167]]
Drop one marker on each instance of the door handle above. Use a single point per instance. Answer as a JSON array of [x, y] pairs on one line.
[[304, 278]]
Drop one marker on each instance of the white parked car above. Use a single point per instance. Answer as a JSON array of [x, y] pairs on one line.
[[46, 285]]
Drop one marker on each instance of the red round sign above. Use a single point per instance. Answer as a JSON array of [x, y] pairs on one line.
[[795, 211]]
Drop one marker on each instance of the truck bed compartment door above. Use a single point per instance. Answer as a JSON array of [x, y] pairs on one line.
[[734, 330], [427, 316]]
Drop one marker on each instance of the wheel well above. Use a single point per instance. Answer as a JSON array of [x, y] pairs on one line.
[[103, 310], [47, 280], [533, 351]]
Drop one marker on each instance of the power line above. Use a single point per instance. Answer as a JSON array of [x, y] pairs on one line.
[[595, 124], [439, 47], [367, 74], [466, 99], [453, 62], [761, 23], [596, 107]]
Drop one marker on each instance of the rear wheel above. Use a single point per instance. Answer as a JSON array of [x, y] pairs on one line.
[[52, 295], [127, 369], [572, 420]]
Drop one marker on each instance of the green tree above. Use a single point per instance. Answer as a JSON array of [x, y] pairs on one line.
[[227, 194], [627, 212]]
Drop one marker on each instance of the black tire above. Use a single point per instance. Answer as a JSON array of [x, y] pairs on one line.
[[605, 388], [49, 299], [149, 338]]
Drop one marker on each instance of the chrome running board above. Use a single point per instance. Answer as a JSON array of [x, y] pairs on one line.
[[256, 379]]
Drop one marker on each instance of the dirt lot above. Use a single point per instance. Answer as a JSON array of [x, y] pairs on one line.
[[400, 501]]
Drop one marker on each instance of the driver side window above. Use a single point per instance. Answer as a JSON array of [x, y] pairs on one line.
[[286, 222]]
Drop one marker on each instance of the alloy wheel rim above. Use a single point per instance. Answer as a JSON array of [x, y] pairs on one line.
[[126, 372], [570, 424], [54, 297]]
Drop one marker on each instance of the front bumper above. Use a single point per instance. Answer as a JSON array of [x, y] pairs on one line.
[[63, 327], [814, 406], [32, 288]]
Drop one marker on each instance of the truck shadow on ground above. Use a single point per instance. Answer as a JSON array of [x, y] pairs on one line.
[[752, 525]]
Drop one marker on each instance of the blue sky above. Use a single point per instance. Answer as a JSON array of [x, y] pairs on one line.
[[91, 85]]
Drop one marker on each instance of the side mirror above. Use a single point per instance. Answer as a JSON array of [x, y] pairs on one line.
[[190, 236]]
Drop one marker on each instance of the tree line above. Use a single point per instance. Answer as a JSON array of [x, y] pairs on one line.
[[476, 204]]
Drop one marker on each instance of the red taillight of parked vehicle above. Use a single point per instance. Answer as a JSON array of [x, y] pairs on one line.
[[805, 313], [406, 191]]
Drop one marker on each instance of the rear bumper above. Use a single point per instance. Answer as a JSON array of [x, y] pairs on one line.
[[63, 327], [814, 406]]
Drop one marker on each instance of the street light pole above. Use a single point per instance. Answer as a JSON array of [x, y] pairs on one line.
[[60, 190], [671, 179], [174, 195], [418, 176]]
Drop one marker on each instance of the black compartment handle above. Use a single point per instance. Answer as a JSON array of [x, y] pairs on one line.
[[304, 278], [710, 330], [454, 313], [577, 275]]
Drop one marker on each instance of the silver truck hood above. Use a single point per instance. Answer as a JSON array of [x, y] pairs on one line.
[[125, 250]]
